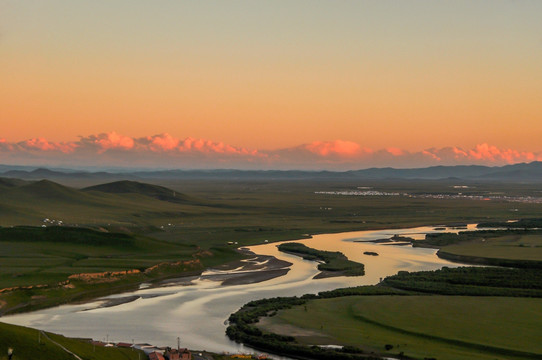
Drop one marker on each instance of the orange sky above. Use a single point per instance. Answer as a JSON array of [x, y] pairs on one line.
[[266, 75]]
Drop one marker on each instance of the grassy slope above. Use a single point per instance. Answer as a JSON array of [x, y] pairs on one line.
[[45, 199], [24, 342], [396, 321]]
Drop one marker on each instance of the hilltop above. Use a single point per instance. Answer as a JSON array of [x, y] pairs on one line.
[[134, 187]]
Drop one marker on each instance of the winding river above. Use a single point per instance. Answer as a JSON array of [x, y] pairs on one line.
[[196, 309]]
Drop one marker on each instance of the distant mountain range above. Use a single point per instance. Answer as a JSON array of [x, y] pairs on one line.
[[524, 172]]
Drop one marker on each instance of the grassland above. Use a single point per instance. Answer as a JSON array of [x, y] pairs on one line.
[[441, 327], [515, 246], [172, 221], [24, 342], [32, 256], [215, 211], [511, 247], [177, 221]]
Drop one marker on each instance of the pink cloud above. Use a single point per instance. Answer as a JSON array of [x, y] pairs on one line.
[[41, 144], [209, 147], [459, 153], [38, 144], [484, 154], [113, 140], [162, 142], [337, 147], [165, 150], [431, 155], [485, 151]]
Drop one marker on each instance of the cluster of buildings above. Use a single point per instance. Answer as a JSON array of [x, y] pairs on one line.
[[459, 195], [52, 222], [171, 354], [153, 352]]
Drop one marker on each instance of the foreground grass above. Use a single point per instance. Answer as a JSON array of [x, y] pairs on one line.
[[443, 327], [24, 342]]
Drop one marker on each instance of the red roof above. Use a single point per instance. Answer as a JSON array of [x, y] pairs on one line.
[[156, 356]]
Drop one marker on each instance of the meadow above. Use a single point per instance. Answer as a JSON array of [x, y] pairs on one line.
[[440, 327], [505, 247], [527, 246]]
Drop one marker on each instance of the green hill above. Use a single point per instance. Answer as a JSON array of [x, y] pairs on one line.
[[24, 342], [46, 189], [9, 183], [122, 203], [134, 187]]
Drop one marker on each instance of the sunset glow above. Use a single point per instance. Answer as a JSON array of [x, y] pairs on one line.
[[166, 151], [258, 84]]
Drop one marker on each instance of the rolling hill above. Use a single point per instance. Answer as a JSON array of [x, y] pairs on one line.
[[8, 182], [134, 187], [123, 203]]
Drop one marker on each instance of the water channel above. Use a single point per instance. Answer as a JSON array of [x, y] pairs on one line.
[[196, 309]]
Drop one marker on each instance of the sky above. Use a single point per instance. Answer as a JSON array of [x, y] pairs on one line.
[[270, 84]]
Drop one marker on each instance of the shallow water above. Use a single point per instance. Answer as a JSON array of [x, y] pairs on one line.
[[197, 313]]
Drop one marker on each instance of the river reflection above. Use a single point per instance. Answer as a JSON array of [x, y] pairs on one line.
[[196, 313]]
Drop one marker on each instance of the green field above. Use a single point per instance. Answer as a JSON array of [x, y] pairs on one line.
[[515, 247], [32, 256], [509, 247], [25, 345], [441, 327]]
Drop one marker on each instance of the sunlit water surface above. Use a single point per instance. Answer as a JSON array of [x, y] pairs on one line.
[[197, 313]]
